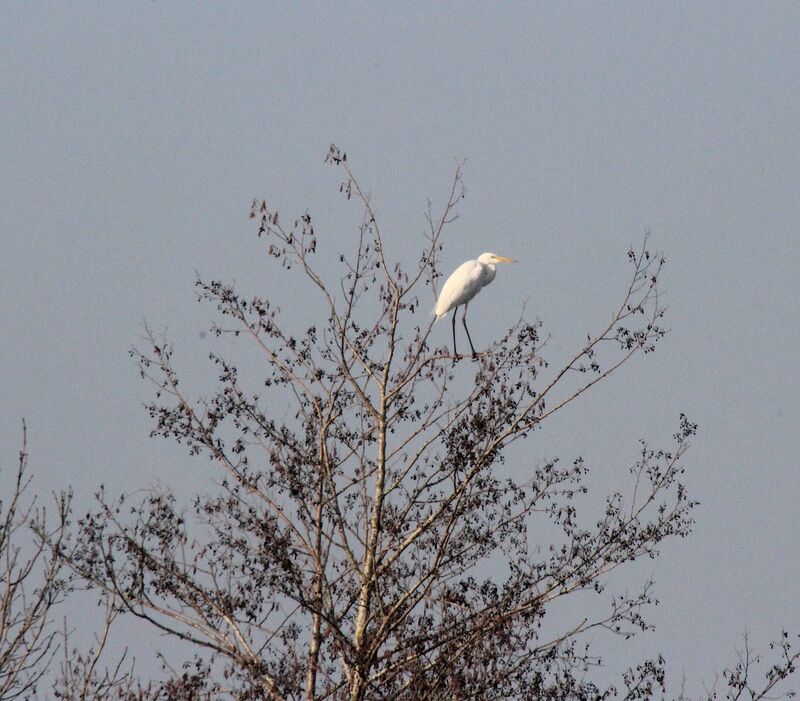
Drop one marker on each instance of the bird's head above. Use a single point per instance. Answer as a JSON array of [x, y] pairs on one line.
[[493, 258]]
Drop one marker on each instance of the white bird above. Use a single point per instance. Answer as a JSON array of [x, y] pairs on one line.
[[466, 281]]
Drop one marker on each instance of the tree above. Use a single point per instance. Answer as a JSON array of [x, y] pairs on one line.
[[31, 583], [368, 538]]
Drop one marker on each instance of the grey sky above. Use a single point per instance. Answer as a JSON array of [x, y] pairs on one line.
[[135, 135]]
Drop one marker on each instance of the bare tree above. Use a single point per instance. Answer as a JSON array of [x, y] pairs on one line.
[[83, 676], [367, 538], [31, 584]]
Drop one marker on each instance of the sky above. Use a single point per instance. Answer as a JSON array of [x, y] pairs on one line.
[[135, 136]]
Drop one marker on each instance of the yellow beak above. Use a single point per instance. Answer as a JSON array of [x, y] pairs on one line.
[[503, 259]]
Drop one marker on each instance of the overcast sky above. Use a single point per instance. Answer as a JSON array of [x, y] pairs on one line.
[[135, 135]]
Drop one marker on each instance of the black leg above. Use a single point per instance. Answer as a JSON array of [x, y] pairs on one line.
[[455, 351], [464, 321]]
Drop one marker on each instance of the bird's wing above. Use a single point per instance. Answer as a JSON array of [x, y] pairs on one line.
[[460, 287]]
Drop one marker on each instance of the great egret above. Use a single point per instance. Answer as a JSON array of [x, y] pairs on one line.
[[463, 285]]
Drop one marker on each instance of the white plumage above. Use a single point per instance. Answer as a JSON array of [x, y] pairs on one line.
[[466, 281]]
